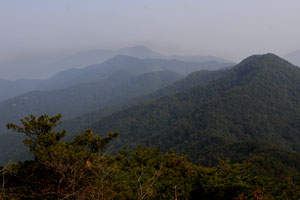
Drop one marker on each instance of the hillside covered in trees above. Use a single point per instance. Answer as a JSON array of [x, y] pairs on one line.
[[194, 79], [256, 102]]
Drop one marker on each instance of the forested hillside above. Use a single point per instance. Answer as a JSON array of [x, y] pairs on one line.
[[194, 79], [257, 101]]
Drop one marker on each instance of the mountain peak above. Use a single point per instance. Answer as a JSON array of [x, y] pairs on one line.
[[265, 61], [268, 68], [259, 58]]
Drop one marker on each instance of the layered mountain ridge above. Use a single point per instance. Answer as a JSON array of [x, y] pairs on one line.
[[92, 73]]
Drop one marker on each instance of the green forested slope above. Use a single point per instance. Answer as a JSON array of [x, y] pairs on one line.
[[194, 79], [258, 101]]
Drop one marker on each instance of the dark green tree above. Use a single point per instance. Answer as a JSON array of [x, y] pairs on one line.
[[60, 170], [39, 132]]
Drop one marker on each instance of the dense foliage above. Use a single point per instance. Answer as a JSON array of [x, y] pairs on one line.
[[80, 169]]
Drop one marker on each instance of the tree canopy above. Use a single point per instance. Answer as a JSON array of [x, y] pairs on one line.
[[81, 169]]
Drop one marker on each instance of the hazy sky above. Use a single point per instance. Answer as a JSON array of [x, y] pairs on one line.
[[232, 29]]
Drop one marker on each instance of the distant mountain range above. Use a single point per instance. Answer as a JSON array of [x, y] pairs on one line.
[[91, 57], [98, 56], [72, 77], [79, 91], [47, 66], [130, 64]]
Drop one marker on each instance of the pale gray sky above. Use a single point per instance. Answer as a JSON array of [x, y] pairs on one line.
[[232, 29]]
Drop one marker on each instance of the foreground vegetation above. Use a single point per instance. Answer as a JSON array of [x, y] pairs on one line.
[[80, 169]]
